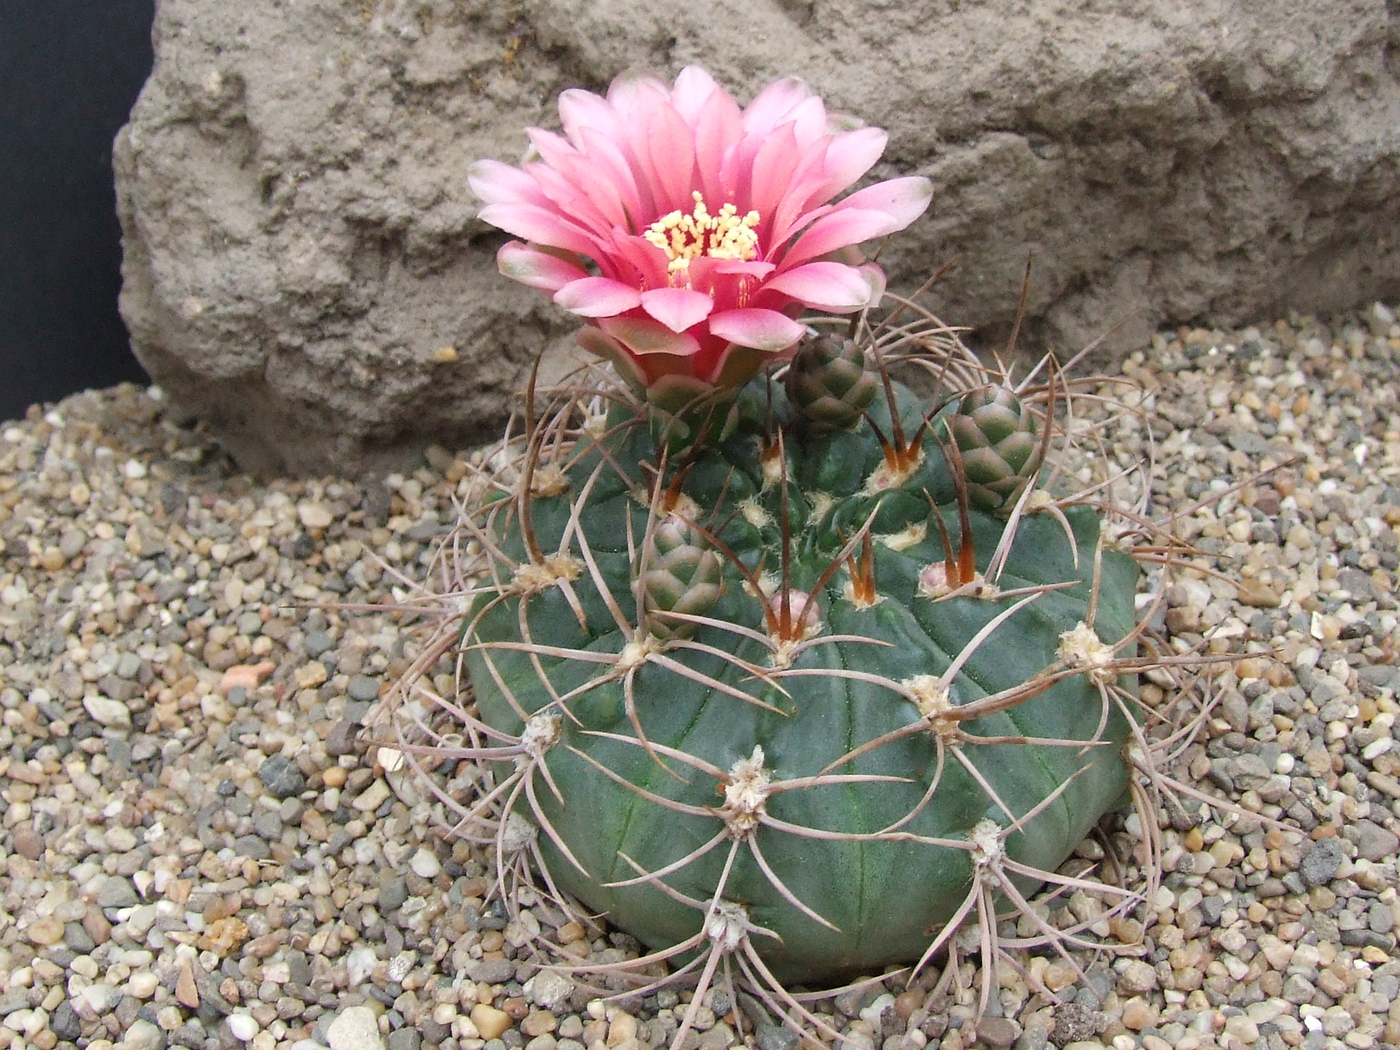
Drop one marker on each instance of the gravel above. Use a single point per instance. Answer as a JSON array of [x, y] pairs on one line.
[[204, 847]]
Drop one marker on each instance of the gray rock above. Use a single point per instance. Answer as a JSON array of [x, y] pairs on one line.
[[405, 1039], [1373, 842], [1319, 865], [776, 1037], [317, 642], [1073, 1023], [363, 689], [64, 1022], [280, 775], [117, 892], [393, 893], [300, 241], [491, 971]]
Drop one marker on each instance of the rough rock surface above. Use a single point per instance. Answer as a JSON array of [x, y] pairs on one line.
[[304, 268]]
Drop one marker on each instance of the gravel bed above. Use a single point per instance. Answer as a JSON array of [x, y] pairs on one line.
[[203, 847]]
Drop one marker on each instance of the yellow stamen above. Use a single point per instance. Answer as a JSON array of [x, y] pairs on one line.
[[685, 237]]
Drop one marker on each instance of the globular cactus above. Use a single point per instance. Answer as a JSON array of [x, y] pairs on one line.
[[771, 692], [787, 675]]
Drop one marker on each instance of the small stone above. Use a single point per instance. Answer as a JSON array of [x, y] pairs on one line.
[[489, 1021], [97, 998], [280, 775], [317, 643], [1373, 842], [354, 1028], [363, 689], [491, 971], [245, 676], [1138, 1013], [425, 863], [65, 1023], [550, 990], [1319, 865], [405, 1039], [1073, 1023], [538, 1022], [141, 1035], [1137, 978], [776, 1037], [45, 931], [28, 843], [341, 739], [392, 894], [108, 712], [186, 991], [222, 936], [997, 1032], [242, 1026], [117, 892], [312, 675], [373, 796], [314, 515]]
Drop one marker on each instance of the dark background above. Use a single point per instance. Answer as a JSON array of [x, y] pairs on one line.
[[69, 73]]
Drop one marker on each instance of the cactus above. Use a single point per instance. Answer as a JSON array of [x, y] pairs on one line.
[[775, 672], [773, 690]]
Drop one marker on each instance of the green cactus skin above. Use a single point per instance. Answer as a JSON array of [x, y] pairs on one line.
[[997, 440], [550, 628]]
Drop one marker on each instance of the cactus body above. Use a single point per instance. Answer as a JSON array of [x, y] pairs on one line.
[[772, 750]]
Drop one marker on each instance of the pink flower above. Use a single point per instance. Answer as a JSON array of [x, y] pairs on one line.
[[689, 232]]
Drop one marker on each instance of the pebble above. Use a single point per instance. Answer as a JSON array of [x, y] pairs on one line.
[[354, 1028], [189, 798], [490, 1022], [280, 775]]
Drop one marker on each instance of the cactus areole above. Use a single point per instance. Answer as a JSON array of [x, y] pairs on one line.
[[763, 672]]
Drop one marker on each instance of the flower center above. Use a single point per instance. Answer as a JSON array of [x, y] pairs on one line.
[[727, 235]]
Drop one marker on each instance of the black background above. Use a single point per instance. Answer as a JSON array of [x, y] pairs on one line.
[[69, 73]]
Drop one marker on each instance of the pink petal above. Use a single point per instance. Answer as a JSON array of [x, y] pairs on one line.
[[876, 211], [849, 156], [773, 166], [772, 105], [612, 167], [538, 269], [825, 286], [597, 297], [677, 308], [497, 183], [642, 335], [671, 151], [808, 119], [840, 228], [539, 224], [904, 200], [761, 329], [579, 109], [692, 93]]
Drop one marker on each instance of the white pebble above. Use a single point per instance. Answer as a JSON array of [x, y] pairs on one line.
[[134, 469], [242, 1026], [425, 864], [355, 1029], [1376, 748]]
